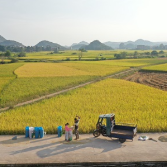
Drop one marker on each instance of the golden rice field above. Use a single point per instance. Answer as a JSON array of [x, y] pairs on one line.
[[160, 67], [6, 74], [23, 89], [65, 69], [36, 79], [6, 70], [47, 70], [90, 54], [127, 62], [131, 102]]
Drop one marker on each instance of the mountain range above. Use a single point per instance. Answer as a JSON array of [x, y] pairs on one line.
[[97, 45], [2, 39], [133, 45], [45, 44], [76, 46], [4, 42], [94, 45]]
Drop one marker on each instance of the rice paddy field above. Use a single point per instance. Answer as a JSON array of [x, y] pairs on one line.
[[32, 80], [156, 68], [73, 55], [131, 102]]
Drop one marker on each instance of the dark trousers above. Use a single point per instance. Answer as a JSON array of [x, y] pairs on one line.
[[76, 133]]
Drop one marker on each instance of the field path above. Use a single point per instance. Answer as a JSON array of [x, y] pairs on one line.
[[116, 75]]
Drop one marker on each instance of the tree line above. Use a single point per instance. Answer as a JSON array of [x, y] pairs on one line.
[[136, 54], [25, 49], [8, 55]]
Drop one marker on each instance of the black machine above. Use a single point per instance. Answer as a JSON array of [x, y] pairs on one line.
[[107, 127]]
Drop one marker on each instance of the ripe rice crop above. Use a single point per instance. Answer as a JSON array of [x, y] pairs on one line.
[[131, 102], [36, 79], [6, 74], [4, 81], [95, 69], [158, 68], [65, 69], [128, 62], [6, 70], [47, 70], [23, 89], [90, 54]]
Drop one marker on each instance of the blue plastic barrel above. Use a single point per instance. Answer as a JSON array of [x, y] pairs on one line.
[[36, 132], [27, 131], [41, 132], [60, 131]]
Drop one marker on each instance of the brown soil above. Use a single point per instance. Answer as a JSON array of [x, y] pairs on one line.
[[156, 80]]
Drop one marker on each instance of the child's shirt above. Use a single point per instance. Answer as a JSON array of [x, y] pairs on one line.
[[67, 128]]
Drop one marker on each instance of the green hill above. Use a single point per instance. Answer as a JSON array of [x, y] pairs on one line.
[[10, 43], [45, 44], [2, 38], [97, 45]]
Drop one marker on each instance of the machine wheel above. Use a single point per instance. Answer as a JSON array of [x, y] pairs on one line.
[[96, 133], [103, 132], [122, 140]]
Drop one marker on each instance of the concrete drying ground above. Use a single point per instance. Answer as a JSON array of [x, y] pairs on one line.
[[52, 149]]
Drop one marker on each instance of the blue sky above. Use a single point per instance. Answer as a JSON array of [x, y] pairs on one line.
[[71, 21]]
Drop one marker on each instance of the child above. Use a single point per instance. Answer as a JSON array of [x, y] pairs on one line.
[[67, 130]]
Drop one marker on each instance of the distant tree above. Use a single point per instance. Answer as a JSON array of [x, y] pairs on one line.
[[161, 46], [7, 53], [2, 48], [122, 55], [161, 52], [56, 50], [22, 54], [2, 56], [38, 48], [154, 53], [122, 46], [135, 54], [48, 48], [29, 49], [117, 56], [14, 60], [81, 53], [147, 53]]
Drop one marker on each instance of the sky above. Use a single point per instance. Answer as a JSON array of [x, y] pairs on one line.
[[72, 21]]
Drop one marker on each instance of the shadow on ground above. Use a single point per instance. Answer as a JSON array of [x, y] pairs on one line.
[[61, 147], [23, 140]]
